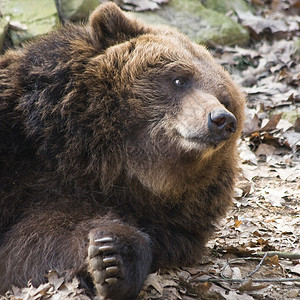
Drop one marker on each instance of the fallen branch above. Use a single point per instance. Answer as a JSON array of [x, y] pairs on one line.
[[216, 280], [279, 254], [257, 267], [242, 259]]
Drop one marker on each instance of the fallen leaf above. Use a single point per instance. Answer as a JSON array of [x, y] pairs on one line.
[[227, 272], [292, 293], [240, 251], [142, 5], [265, 149], [272, 124], [202, 288], [284, 125], [273, 260], [296, 269], [236, 273], [297, 125], [230, 295], [249, 286], [54, 280], [252, 125], [289, 174], [275, 197], [154, 280], [246, 155], [259, 25], [237, 222]]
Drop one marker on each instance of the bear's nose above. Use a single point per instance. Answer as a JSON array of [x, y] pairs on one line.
[[222, 124]]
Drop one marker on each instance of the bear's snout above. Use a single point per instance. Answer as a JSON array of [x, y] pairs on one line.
[[222, 124], [204, 122]]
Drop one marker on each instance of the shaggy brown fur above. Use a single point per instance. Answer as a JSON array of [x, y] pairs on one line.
[[117, 153]]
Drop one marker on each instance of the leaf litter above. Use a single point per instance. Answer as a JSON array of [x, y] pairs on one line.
[[255, 253]]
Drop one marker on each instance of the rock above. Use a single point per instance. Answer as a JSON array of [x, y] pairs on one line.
[[29, 18], [3, 30], [201, 24], [223, 6], [75, 10]]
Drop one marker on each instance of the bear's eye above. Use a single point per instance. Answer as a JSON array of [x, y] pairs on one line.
[[179, 82], [225, 100], [226, 104]]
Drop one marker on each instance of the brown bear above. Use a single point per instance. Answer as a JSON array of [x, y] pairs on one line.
[[117, 153]]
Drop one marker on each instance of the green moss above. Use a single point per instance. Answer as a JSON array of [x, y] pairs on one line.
[[224, 6], [189, 6], [220, 29], [290, 116], [297, 48]]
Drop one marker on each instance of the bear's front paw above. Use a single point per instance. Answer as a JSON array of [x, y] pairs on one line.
[[105, 265], [119, 259]]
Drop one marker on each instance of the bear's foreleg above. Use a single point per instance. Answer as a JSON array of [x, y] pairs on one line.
[[115, 255]]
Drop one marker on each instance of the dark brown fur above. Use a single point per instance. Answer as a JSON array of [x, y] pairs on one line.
[[95, 151]]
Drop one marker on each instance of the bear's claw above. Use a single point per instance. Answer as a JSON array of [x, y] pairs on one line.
[[106, 248], [104, 240], [108, 260], [111, 281], [104, 265]]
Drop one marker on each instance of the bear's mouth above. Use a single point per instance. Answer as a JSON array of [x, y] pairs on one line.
[[200, 143], [203, 142]]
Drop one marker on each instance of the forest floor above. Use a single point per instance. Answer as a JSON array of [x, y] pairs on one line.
[[255, 253]]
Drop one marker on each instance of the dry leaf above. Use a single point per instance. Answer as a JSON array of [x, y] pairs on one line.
[[227, 271], [272, 124], [296, 269], [275, 197], [252, 125], [249, 286], [273, 260], [142, 5], [284, 125], [202, 288], [297, 125], [54, 280], [154, 280], [237, 222], [265, 149], [292, 293], [236, 273]]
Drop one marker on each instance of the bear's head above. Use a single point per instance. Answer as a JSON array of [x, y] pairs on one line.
[[147, 105], [175, 113]]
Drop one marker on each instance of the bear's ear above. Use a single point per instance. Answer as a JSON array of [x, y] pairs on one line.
[[111, 26]]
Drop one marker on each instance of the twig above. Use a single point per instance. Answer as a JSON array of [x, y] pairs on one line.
[[244, 280], [242, 259], [257, 267], [279, 254]]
